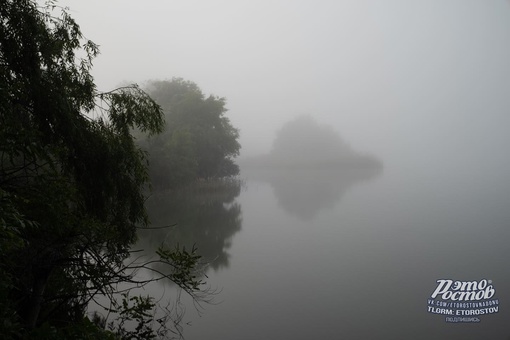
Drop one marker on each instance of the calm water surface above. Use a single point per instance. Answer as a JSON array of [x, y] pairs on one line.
[[335, 254]]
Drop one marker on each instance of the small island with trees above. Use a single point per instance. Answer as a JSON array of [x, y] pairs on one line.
[[304, 144]]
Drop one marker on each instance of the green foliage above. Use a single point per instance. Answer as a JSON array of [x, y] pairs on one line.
[[184, 264], [136, 309], [198, 141], [72, 179]]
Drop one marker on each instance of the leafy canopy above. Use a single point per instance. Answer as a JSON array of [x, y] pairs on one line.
[[72, 177], [198, 141]]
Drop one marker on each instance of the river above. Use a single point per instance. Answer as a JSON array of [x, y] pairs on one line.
[[332, 254]]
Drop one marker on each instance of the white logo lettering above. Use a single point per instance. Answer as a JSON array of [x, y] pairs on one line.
[[463, 290]]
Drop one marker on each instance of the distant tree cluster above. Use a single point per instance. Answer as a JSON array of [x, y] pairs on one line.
[[198, 141], [303, 143]]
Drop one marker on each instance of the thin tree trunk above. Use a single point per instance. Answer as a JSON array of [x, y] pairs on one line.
[[35, 302]]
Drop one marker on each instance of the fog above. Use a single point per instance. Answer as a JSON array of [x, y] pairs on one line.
[[407, 80], [417, 89]]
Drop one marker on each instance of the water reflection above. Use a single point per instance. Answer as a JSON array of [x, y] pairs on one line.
[[304, 192], [204, 214], [310, 167]]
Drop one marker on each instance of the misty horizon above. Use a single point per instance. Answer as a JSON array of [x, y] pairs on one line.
[[373, 153], [420, 81]]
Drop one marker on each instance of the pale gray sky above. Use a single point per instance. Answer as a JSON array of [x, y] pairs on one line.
[[423, 79]]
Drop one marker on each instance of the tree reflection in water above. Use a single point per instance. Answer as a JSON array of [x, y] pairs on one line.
[[304, 192], [310, 167], [203, 214]]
